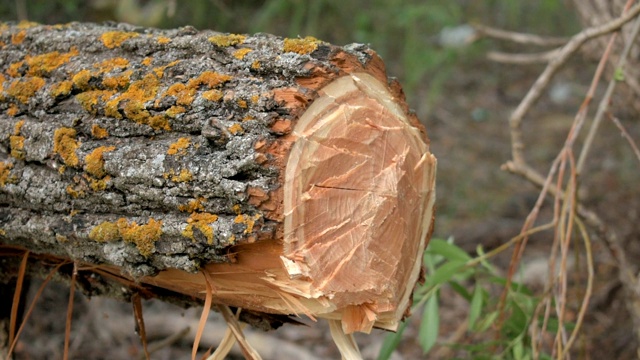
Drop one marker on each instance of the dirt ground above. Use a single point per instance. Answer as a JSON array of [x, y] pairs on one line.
[[477, 204]]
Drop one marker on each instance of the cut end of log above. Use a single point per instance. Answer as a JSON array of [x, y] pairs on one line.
[[358, 202]]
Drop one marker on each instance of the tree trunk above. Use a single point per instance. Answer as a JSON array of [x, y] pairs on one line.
[[289, 170]]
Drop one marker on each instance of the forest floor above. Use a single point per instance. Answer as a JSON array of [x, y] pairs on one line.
[[477, 204]]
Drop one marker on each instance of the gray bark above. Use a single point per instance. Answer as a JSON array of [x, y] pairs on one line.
[[52, 196]]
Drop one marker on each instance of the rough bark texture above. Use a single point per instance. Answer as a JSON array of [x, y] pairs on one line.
[[597, 12], [157, 154]]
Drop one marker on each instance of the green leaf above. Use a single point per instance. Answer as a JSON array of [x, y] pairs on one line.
[[430, 325], [618, 74], [448, 250], [445, 272], [518, 348], [487, 321], [460, 290], [391, 342], [476, 306]]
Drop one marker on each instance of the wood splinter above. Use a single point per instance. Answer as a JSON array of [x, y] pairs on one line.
[[289, 170]]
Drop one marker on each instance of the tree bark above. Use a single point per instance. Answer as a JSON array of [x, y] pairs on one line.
[[290, 171]]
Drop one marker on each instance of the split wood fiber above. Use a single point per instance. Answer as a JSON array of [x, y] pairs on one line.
[[290, 170]]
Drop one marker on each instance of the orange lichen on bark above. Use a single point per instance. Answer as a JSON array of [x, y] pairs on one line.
[[99, 132], [118, 81], [62, 88], [146, 61], [13, 110], [303, 46], [248, 220], [23, 90], [174, 111], [143, 236], [212, 95], [193, 205], [134, 99], [112, 39], [111, 64], [81, 79], [179, 147], [18, 38], [65, 145], [94, 162], [89, 99], [185, 93], [163, 40], [16, 143], [15, 69], [183, 176], [5, 171], [43, 64], [201, 222], [227, 40], [241, 53], [236, 129], [98, 184], [74, 193]]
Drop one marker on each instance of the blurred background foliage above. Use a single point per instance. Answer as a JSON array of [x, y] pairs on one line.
[[416, 38]]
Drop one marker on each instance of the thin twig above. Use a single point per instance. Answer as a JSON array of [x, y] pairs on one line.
[[626, 135], [15, 305], [522, 59], [155, 346], [519, 38], [67, 327], [138, 315], [203, 316]]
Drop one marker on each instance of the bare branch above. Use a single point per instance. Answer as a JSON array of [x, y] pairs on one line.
[[519, 38]]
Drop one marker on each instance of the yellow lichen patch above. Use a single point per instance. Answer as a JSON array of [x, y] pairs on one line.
[[159, 71], [212, 95], [18, 38], [105, 231], [241, 53], [242, 103], [248, 118], [111, 64], [61, 238], [248, 221], [43, 64], [74, 193], [236, 129], [94, 162], [256, 65], [185, 93], [175, 111], [301, 46], [14, 69], [65, 145], [209, 78], [112, 39], [89, 99], [117, 82], [98, 132], [81, 79], [134, 99], [17, 127], [193, 205], [144, 236], [227, 40], [201, 222], [22, 90], [146, 61], [62, 88], [163, 40], [98, 184], [183, 176], [5, 171], [255, 98], [179, 147], [16, 143], [13, 110]]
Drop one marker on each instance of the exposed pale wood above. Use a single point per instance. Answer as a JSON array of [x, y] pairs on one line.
[[289, 170]]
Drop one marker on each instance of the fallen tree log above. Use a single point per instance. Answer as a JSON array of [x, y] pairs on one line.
[[289, 170]]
